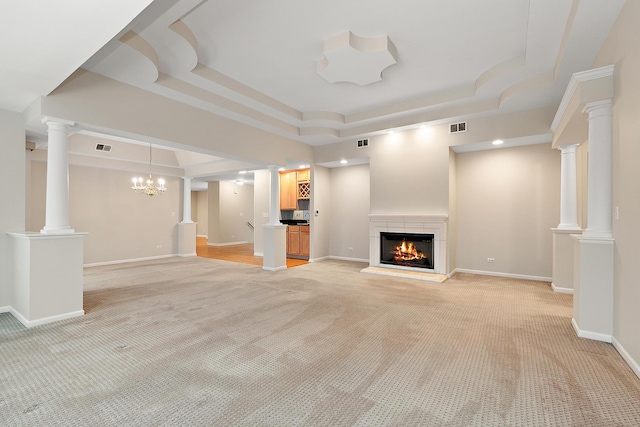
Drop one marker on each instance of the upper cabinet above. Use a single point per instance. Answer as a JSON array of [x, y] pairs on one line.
[[288, 190], [294, 186]]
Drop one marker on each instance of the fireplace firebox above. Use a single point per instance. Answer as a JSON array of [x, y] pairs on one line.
[[407, 250]]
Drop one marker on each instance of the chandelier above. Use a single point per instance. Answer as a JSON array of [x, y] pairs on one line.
[[149, 187]]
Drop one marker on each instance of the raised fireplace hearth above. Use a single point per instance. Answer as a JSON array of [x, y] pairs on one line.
[[411, 243]]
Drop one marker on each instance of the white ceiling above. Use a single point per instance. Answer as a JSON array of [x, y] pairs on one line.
[[255, 61]]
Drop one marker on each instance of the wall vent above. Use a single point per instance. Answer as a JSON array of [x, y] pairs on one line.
[[362, 143], [103, 147], [458, 127]]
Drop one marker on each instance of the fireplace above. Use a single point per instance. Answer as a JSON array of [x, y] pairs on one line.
[[428, 233], [407, 250]]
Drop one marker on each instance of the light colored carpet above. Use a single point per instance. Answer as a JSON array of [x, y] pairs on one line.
[[204, 342]]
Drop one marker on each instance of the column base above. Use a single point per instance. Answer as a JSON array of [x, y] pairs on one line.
[[562, 276], [593, 288], [47, 277], [186, 239], [275, 247]]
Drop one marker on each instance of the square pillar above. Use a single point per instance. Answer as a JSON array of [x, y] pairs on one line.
[[47, 277], [593, 292], [275, 247], [562, 280], [187, 239]]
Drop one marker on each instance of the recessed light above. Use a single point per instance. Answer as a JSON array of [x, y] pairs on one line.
[[344, 161], [303, 166], [242, 172], [498, 142], [423, 126], [391, 131], [281, 169]]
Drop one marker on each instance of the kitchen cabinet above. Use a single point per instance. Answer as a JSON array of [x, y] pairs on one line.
[[298, 241], [288, 190]]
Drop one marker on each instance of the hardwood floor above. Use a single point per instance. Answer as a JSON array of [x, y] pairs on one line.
[[242, 253]]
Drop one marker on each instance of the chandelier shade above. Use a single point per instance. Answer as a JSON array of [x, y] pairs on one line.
[[148, 187]]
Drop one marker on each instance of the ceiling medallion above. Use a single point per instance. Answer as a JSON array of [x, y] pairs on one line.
[[354, 59]]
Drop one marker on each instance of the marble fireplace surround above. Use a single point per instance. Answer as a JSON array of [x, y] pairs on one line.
[[418, 224]]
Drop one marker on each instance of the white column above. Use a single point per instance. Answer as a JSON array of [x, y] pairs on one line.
[[57, 201], [274, 200], [186, 210], [599, 173], [568, 189]]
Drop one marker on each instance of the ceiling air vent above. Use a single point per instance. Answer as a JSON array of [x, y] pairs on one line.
[[363, 143], [458, 127], [103, 147]]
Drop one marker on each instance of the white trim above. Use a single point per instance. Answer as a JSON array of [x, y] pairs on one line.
[[258, 254], [42, 321], [590, 335], [561, 290], [124, 261], [635, 367], [498, 274], [188, 255], [322, 258], [274, 268], [202, 235], [343, 258], [242, 242], [576, 79]]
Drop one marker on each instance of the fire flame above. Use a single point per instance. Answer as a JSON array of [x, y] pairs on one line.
[[407, 252]]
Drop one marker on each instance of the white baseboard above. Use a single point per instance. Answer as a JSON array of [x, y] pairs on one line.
[[596, 336], [202, 235], [561, 290], [227, 244], [635, 367], [284, 267], [124, 261], [497, 274], [322, 258], [258, 254], [42, 321], [188, 255], [343, 258]]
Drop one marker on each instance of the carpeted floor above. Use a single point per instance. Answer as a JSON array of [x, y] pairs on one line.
[[205, 342]]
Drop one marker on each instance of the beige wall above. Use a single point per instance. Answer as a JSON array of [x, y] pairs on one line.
[[507, 201], [230, 206], [122, 225], [349, 212], [452, 225], [622, 50], [12, 190], [202, 213], [320, 201], [261, 189], [409, 173]]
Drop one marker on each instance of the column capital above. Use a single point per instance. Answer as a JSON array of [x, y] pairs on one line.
[[48, 119], [598, 108], [570, 148]]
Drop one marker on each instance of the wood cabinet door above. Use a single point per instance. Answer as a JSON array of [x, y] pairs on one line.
[[303, 175], [304, 241], [293, 240], [288, 191]]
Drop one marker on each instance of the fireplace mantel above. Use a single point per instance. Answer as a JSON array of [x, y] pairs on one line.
[[417, 224]]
